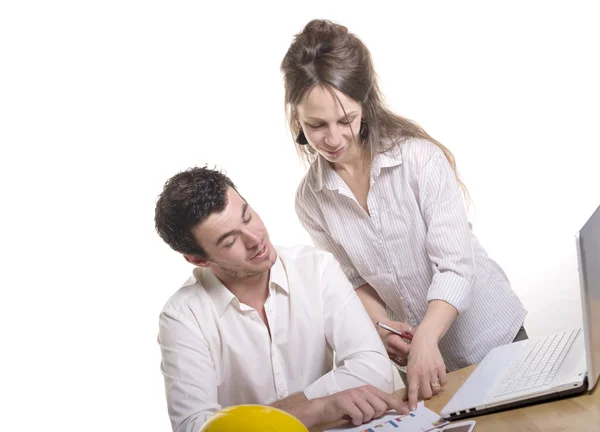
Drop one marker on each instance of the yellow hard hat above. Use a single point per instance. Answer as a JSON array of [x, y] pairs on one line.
[[252, 418]]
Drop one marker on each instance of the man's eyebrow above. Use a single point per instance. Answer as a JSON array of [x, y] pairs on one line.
[[232, 232]]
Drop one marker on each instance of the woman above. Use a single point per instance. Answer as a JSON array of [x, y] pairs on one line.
[[384, 197]]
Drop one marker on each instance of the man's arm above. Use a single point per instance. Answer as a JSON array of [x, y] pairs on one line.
[[360, 356], [358, 405], [300, 407], [189, 373]]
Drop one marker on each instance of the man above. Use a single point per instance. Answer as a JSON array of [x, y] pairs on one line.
[[258, 325]]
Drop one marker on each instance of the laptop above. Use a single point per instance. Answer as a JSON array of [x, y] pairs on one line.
[[536, 370]]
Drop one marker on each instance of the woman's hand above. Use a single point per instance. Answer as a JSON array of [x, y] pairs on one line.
[[426, 372], [397, 349]]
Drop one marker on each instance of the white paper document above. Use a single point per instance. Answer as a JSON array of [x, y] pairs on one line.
[[420, 420]]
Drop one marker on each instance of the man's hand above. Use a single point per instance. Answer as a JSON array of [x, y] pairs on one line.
[[359, 405]]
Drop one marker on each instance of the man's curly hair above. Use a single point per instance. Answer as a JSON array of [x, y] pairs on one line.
[[187, 199]]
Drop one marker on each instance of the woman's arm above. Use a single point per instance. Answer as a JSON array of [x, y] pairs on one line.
[[426, 373], [375, 307], [372, 303], [438, 319], [449, 238], [450, 250]]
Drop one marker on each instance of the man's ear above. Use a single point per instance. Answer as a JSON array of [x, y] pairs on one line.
[[196, 260]]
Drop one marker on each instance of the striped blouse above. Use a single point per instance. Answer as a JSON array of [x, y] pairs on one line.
[[415, 245]]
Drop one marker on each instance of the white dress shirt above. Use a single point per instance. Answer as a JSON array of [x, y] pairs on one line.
[[217, 352], [415, 246]]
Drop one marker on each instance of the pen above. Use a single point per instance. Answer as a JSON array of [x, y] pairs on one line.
[[393, 330]]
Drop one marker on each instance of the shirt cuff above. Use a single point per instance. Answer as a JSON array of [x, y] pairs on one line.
[[453, 289], [357, 282], [324, 386]]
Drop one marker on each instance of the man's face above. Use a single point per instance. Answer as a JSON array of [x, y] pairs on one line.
[[236, 241]]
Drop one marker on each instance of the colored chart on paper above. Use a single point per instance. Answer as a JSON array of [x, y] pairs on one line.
[[420, 420]]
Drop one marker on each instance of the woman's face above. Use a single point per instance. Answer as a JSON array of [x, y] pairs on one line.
[[333, 134]]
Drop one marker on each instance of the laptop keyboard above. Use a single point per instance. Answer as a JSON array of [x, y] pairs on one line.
[[540, 366]]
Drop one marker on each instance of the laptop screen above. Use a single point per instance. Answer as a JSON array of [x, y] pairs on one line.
[[589, 273]]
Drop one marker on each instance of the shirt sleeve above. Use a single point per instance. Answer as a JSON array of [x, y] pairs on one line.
[[310, 216], [448, 242], [189, 372], [360, 355]]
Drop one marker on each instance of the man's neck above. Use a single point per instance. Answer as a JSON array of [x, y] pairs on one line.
[[252, 290]]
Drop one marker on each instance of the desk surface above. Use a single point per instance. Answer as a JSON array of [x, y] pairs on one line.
[[580, 413]]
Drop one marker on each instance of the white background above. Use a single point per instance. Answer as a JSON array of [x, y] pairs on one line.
[[100, 102]]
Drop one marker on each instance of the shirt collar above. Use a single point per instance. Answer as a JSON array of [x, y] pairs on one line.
[[390, 158], [222, 297], [279, 276], [325, 175]]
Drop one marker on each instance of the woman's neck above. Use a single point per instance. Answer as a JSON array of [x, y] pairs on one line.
[[353, 166]]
